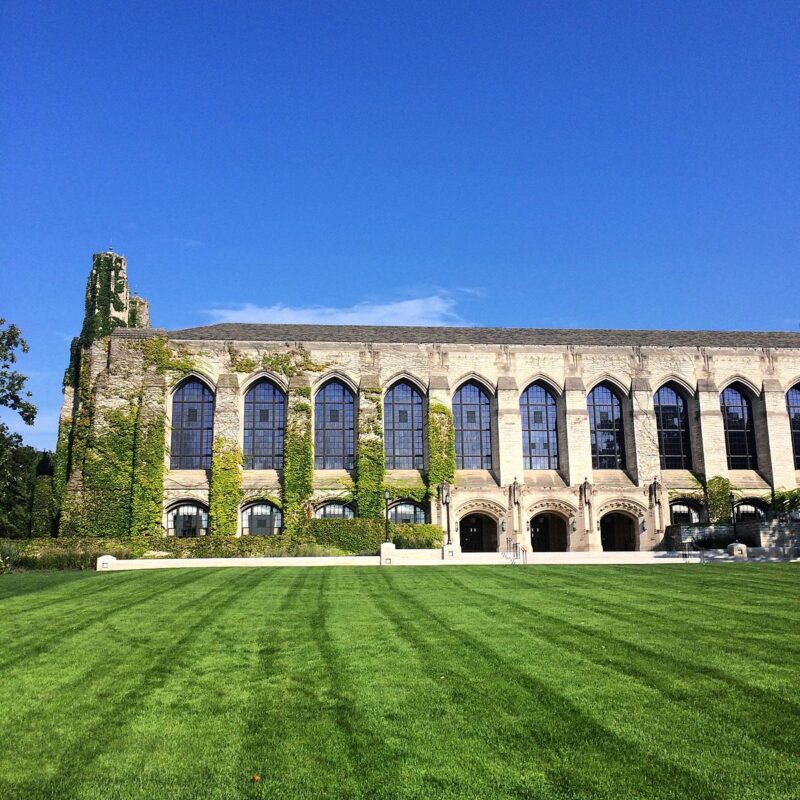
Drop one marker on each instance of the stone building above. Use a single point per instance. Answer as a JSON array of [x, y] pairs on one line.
[[574, 440]]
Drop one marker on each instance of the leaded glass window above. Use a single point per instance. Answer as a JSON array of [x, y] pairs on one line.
[[539, 435], [403, 427], [187, 521], [672, 422], [407, 513], [334, 511], [793, 405], [473, 427], [261, 519], [740, 435], [192, 426], [606, 427], [684, 513], [264, 426], [334, 427]]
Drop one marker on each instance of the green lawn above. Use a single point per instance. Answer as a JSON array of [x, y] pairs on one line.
[[456, 682]]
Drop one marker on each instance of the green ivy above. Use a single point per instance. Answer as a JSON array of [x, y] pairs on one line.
[[148, 471], [225, 488], [398, 490], [61, 465], [365, 536], [44, 506], [371, 458], [441, 447], [241, 363], [291, 363], [159, 355], [104, 291], [298, 458]]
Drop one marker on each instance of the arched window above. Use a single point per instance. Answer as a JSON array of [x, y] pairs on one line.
[[334, 421], [793, 406], [750, 511], [607, 430], [539, 436], [683, 512], [192, 426], [264, 425], [403, 427], [473, 425], [261, 519], [334, 511], [672, 422], [187, 521], [407, 513], [740, 436]]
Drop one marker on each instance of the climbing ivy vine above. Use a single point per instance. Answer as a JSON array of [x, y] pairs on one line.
[[298, 458], [225, 488], [370, 457], [441, 447]]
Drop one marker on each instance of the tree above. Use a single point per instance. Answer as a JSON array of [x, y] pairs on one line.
[[12, 383]]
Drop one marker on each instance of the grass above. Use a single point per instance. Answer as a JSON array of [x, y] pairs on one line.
[[457, 682]]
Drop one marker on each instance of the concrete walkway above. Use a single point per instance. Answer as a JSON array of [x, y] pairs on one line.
[[408, 558]]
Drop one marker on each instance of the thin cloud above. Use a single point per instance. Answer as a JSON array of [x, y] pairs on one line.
[[434, 310]]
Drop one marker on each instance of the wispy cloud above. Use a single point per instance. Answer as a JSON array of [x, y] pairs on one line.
[[435, 309], [184, 242]]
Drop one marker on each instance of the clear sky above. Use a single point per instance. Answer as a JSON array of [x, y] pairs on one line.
[[563, 164]]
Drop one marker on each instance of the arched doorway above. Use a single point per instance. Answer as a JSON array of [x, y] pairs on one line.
[[618, 532], [478, 534], [548, 533]]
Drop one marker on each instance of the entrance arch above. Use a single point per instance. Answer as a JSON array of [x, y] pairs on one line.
[[549, 533], [618, 531], [478, 533]]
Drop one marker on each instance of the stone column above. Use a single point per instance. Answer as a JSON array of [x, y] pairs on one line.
[[439, 392], [508, 459], [579, 448], [779, 469], [227, 417], [645, 463], [712, 431]]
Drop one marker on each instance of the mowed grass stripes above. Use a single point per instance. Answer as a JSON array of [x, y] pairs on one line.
[[452, 682]]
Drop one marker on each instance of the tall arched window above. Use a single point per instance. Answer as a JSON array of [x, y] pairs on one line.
[[740, 436], [793, 406], [672, 422], [473, 425], [334, 427], [403, 427], [192, 426], [264, 425], [539, 436], [607, 429]]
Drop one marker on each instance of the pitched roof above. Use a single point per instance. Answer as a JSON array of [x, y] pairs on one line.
[[397, 334]]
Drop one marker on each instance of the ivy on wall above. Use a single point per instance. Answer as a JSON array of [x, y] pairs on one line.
[[370, 456], [148, 469], [298, 457], [240, 362], [61, 462], [44, 506], [441, 447], [225, 487], [291, 363], [105, 292], [158, 354]]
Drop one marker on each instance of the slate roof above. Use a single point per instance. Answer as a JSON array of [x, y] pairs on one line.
[[396, 334]]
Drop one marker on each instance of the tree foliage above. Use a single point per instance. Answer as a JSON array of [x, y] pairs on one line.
[[12, 382]]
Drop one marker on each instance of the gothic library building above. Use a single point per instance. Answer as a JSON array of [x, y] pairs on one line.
[[576, 440]]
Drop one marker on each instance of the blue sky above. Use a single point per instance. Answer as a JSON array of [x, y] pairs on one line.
[[629, 165]]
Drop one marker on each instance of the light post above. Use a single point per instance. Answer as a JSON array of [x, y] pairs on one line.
[[731, 501], [444, 495], [386, 496]]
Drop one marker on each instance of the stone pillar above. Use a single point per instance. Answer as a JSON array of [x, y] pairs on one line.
[[779, 469], [712, 430], [644, 463], [508, 460], [227, 417], [579, 448], [439, 392]]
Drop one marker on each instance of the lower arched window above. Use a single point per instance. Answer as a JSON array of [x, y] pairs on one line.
[[334, 511], [187, 521], [684, 513], [750, 511], [407, 513], [261, 519]]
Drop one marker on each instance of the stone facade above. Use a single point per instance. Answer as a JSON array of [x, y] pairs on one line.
[[229, 359]]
